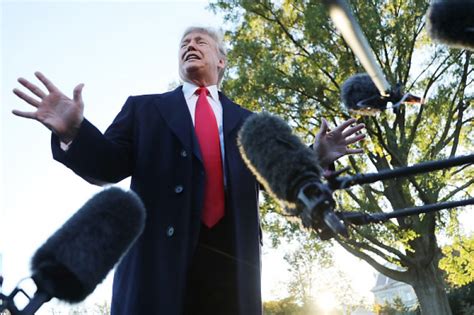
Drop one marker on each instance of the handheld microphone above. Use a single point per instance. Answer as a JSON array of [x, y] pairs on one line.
[[360, 95], [77, 257], [289, 171], [452, 22]]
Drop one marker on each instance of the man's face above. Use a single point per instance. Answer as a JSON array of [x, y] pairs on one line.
[[199, 59]]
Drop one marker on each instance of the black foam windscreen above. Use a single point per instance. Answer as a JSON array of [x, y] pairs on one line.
[[452, 22], [77, 257], [359, 93], [278, 158]]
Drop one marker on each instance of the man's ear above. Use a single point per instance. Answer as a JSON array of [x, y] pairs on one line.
[[221, 63]]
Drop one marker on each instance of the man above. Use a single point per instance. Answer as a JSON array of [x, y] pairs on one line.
[[200, 250]]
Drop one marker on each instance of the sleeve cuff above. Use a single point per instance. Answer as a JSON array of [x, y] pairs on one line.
[[65, 146]]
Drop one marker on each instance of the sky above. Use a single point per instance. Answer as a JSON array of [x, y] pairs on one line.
[[116, 49]]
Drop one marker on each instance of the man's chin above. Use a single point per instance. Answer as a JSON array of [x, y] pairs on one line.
[[192, 63], [191, 71]]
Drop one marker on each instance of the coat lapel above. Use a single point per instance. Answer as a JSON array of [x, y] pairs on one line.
[[231, 115], [175, 111]]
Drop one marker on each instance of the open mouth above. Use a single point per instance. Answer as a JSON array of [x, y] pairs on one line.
[[191, 57]]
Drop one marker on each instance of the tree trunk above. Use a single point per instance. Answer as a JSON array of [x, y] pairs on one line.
[[430, 291]]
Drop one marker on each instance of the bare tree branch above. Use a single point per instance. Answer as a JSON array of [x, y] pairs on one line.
[[458, 189], [391, 273], [405, 259]]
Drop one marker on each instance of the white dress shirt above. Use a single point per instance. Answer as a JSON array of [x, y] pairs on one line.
[[189, 90]]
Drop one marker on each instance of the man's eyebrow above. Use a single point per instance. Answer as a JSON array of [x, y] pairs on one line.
[[197, 38]]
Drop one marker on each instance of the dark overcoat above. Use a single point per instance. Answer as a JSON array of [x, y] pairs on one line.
[[152, 140]]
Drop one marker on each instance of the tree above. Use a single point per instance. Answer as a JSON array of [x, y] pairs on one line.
[[306, 256], [309, 286], [287, 57], [458, 261], [461, 299], [395, 308], [102, 308], [303, 262], [98, 308], [286, 306]]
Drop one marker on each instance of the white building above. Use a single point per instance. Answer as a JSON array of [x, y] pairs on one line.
[[387, 289]]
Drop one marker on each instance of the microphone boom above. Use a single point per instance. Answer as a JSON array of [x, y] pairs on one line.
[[346, 23]]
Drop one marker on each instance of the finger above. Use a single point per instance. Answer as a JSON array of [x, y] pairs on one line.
[[322, 130], [78, 93], [26, 98], [29, 115], [350, 131], [354, 151], [354, 139], [33, 88], [48, 84], [324, 126], [345, 124]]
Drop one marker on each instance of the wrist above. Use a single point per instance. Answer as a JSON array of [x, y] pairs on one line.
[[325, 164], [68, 135], [323, 160]]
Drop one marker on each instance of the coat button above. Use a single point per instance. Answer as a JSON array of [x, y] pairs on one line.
[[170, 231], [178, 189], [184, 153]]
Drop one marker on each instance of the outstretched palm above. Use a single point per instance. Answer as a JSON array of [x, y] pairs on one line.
[[55, 110], [330, 145]]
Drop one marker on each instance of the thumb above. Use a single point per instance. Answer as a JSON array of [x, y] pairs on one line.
[[78, 93]]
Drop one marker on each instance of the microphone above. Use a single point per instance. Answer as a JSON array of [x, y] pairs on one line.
[[452, 22], [289, 171], [346, 23], [77, 257], [360, 95]]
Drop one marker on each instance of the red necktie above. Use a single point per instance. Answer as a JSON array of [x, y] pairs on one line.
[[205, 125]]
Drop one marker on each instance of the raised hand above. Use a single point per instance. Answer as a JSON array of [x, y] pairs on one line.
[[330, 145], [55, 110]]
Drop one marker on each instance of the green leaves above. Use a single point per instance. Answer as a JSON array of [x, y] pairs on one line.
[[287, 58], [458, 261]]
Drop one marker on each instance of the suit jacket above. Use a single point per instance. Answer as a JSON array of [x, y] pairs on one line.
[[152, 140]]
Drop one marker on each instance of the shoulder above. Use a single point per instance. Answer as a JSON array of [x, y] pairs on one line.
[[144, 98], [235, 106], [147, 99]]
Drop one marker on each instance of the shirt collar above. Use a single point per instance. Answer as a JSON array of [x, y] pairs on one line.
[[190, 88]]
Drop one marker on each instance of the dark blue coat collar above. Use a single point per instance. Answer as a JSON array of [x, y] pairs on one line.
[[173, 107]]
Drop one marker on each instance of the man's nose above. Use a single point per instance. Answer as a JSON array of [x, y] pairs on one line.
[[190, 46]]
